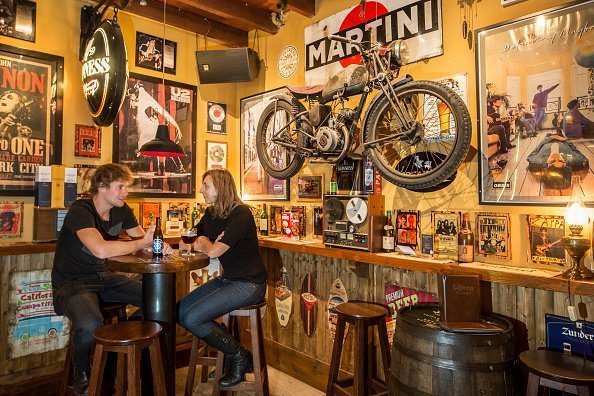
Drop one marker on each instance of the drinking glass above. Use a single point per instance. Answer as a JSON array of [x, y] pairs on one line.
[[188, 236]]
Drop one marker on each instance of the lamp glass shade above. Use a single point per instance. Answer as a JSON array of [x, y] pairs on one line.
[[162, 145], [575, 214]]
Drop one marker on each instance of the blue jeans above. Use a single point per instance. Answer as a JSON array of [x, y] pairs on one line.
[[539, 114], [217, 297], [79, 300]]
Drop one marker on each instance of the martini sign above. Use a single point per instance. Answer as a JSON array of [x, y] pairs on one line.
[[418, 22]]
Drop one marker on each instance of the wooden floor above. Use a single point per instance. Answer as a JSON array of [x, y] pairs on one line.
[[280, 384]]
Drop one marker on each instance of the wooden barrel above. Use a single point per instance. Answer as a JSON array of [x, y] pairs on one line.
[[427, 360]]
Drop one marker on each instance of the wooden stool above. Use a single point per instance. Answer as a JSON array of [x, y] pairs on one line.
[[201, 354], [260, 383], [111, 312], [556, 370], [127, 339], [360, 315]]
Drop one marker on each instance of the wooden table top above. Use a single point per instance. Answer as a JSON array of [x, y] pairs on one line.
[[142, 262]]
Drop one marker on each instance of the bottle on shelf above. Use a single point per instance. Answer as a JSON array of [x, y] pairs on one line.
[[465, 241], [388, 234], [158, 239], [264, 222], [334, 182], [195, 216]]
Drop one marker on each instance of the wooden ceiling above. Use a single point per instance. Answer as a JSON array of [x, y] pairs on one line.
[[228, 21]]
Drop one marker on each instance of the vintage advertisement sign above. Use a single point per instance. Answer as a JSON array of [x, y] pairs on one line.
[[493, 235], [336, 296], [544, 239], [445, 227], [283, 298], [308, 304], [33, 326], [563, 334], [398, 297], [418, 22]]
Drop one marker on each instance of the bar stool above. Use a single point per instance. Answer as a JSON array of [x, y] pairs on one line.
[[112, 312], [127, 339], [361, 315], [203, 355], [556, 370], [260, 383]]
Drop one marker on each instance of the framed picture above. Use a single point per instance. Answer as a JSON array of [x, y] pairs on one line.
[[18, 19], [445, 227], [83, 179], [310, 187], [149, 103], [301, 211], [407, 228], [87, 141], [528, 71], [135, 206], [35, 108], [149, 211], [544, 239], [256, 184], [216, 121], [216, 155], [492, 231], [276, 215], [11, 219], [184, 208], [150, 53]]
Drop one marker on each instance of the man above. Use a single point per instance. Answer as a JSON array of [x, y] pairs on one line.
[[544, 247], [496, 126], [574, 122], [539, 104], [80, 277]]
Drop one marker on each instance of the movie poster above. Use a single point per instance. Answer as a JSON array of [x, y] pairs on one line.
[[544, 239], [30, 116]]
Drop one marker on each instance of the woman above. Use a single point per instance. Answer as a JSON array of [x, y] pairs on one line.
[[228, 231]]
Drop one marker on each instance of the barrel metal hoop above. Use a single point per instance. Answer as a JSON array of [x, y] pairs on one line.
[[407, 389]]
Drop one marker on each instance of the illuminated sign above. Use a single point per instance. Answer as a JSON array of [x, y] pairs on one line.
[[105, 72]]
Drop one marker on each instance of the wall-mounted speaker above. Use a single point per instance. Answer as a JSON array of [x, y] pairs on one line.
[[227, 66]]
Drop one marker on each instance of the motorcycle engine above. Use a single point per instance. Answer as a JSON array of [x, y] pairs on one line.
[[329, 139]]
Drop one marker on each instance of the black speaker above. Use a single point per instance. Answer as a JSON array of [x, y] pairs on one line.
[[227, 66]]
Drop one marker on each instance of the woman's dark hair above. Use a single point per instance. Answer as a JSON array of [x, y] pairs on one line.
[[108, 173]]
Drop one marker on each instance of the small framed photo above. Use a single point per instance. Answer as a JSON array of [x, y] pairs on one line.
[[276, 215], [310, 187], [216, 155], [149, 211], [544, 239], [83, 180], [493, 235], [407, 228], [87, 141], [11, 219], [150, 53], [18, 19], [217, 117], [445, 226]]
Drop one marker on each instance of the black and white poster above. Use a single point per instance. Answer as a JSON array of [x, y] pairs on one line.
[[17, 19], [216, 121], [150, 53]]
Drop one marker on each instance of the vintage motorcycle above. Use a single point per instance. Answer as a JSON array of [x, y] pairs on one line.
[[417, 133]]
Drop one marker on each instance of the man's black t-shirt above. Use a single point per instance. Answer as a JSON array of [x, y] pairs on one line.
[[242, 261], [73, 259]]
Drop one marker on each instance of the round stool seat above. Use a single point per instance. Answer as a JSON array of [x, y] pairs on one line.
[[361, 310], [259, 305], [559, 367], [127, 333]]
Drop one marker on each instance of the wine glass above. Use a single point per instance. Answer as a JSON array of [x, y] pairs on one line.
[[188, 236]]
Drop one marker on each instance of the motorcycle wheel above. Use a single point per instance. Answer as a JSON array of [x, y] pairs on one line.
[[436, 147], [278, 161]]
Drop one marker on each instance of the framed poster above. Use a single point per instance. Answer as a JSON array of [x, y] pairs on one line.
[[256, 184], [407, 228], [149, 103], [523, 67], [216, 121], [493, 235], [445, 234], [151, 55], [544, 239], [276, 216], [87, 141], [11, 219], [135, 206], [83, 179], [149, 211], [216, 155], [31, 98], [310, 187], [17, 19]]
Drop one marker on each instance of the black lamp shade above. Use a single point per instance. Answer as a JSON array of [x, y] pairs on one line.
[[162, 145]]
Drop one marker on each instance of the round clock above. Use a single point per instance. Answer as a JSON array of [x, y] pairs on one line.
[[356, 210]]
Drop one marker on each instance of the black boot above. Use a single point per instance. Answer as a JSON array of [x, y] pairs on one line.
[[80, 385]]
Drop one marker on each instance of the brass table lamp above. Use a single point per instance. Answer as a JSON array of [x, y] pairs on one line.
[[575, 244]]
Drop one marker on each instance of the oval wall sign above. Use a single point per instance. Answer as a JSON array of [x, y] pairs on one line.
[[105, 72]]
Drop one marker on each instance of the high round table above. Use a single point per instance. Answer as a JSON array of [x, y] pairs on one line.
[[158, 294]]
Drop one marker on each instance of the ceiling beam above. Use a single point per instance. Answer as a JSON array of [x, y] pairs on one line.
[[303, 7]]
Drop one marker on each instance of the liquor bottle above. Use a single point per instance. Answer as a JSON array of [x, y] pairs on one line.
[[388, 234], [334, 182], [264, 222], [195, 215], [158, 239], [465, 241]]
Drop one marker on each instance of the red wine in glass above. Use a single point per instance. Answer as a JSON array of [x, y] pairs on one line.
[[189, 238]]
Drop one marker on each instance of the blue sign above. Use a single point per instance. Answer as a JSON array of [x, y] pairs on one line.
[[563, 334]]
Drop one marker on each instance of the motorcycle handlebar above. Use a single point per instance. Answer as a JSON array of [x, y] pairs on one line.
[[344, 40]]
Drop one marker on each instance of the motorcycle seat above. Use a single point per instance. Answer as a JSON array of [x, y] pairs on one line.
[[301, 92]]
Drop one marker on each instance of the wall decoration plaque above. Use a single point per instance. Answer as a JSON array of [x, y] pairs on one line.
[[87, 141], [288, 60], [216, 121], [150, 53], [493, 235], [544, 239], [11, 219], [17, 19], [445, 227]]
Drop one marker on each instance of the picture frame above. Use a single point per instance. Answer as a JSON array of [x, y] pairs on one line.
[[275, 216], [151, 55], [408, 225], [513, 59], [147, 104], [38, 112], [256, 184], [146, 209], [216, 117], [302, 213], [544, 239], [445, 226], [11, 219], [84, 173], [310, 187], [493, 235], [19, 19], [216, 155], [87, 141]]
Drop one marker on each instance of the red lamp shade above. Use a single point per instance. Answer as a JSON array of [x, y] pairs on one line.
[[162, 145]]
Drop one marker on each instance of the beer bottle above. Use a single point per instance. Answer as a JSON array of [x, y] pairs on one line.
[[334, 182], [264, 222], [195, 216], [388, 234], [465, 241], [158, 239]]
